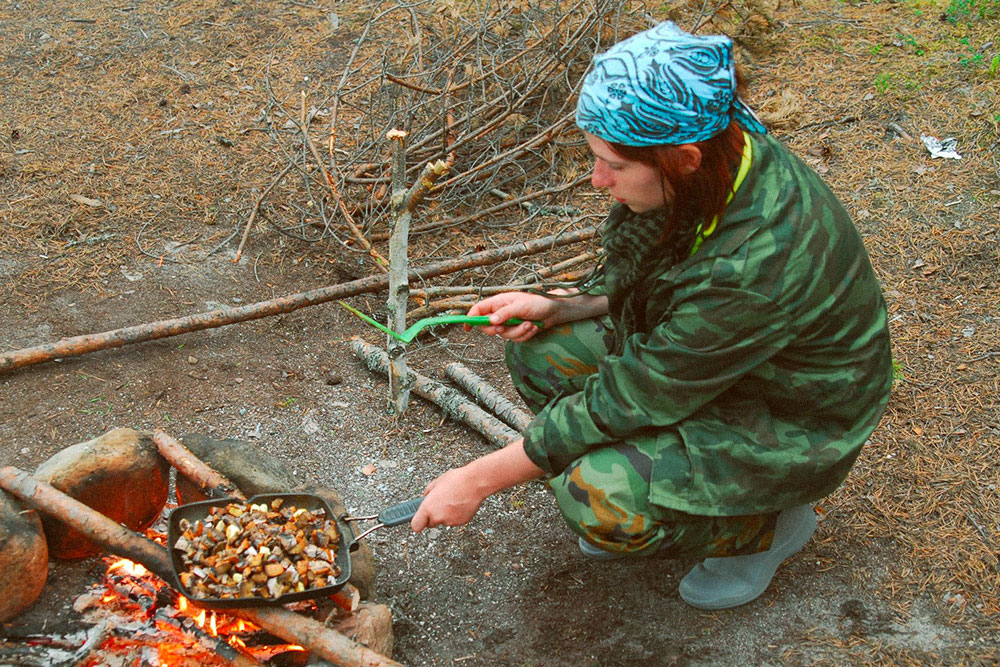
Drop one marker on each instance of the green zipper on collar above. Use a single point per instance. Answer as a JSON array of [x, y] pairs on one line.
[[741, 174]]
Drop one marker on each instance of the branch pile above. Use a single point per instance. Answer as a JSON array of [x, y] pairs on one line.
[[492, 90]]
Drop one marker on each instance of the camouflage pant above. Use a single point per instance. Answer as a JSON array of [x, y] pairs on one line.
[[604, 494]]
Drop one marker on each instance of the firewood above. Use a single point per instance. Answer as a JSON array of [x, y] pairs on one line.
[[79, 345], [488, 396], [481, 291], [252, 469], [211, 482], [281, 622], [453, 403], [562, 266], [455, 304], [106, 532]]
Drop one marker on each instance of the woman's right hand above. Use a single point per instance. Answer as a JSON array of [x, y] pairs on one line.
[[522, 305]]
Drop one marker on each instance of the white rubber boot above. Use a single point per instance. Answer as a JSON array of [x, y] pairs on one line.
[[721, 583]]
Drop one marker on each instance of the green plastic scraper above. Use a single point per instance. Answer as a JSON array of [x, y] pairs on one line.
[[418, 326]]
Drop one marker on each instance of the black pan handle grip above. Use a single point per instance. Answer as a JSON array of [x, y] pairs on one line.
[[401, 513]]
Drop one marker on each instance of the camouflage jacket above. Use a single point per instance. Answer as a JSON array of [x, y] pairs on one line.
[[764, 356]]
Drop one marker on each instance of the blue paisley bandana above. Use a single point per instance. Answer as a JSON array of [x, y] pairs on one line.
[[663, 86]]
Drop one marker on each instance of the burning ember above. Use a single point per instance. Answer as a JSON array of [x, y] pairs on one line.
[[157, 624]]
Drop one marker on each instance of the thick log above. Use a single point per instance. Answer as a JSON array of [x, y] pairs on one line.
[[79, 345], [251, 469], [213, 484], [280, 622], [216, 645], [454, 404], [488, 396]]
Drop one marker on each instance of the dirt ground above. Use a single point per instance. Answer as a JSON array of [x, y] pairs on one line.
[[129, 153]]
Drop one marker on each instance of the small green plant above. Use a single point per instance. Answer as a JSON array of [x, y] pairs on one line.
[[94, 407], [971, 10], [897, 372], [882, 82], [971, 60], [911, 41], [972, 57], [875, 49], [995, 65]]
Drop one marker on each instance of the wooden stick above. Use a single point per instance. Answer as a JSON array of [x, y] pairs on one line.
[[487, 290], [217, 645], [94, 525], [212, 483], [399, 286], [434, 307], [78, 345], [325, 642], [451, 401], [488, 396], [95, 637], [256, 208], [114, 537], [559, 267]]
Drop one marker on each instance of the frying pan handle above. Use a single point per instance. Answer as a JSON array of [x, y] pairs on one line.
[[401, 513]]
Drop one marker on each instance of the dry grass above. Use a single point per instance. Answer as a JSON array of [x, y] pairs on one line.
[[162, 112]]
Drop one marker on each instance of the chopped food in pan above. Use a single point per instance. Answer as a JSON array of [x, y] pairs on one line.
[[257, 551]]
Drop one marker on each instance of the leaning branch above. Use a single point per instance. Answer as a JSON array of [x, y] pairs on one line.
[[212, 483], [79, 345], [256, 208], [381, 262]]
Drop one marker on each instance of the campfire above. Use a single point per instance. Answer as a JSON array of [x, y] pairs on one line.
[[136, 613], [136, 616]]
